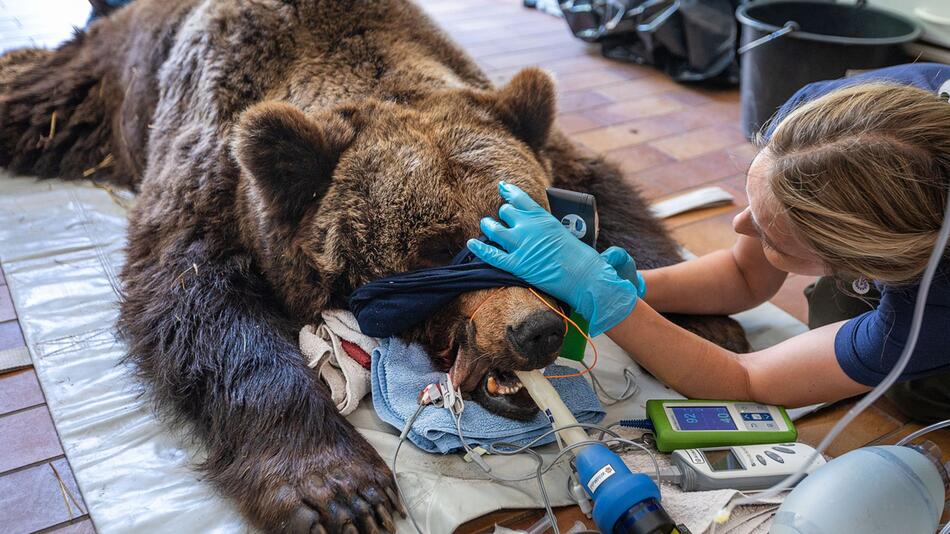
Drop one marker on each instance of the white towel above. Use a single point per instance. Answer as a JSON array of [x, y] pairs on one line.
[[344, 325], [347, 379]]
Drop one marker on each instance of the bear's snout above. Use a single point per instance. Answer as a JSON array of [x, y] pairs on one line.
[[537, 337]]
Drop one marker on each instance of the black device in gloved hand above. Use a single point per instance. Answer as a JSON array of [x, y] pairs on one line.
[[578, 213]]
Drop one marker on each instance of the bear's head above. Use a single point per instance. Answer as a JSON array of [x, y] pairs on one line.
[[341, 197]]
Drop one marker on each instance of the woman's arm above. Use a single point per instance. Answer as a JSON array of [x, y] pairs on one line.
[[799, 371], [723, 282]]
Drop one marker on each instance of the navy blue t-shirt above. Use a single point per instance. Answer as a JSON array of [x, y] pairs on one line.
[[868, 346]]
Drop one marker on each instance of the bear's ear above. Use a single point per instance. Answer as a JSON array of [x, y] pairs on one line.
[[527, 106], [289, 158]]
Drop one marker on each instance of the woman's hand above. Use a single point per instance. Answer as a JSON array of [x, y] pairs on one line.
[[538, 249]]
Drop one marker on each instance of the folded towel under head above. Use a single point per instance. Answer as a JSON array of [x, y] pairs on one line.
[[401, 370], [342, 370]]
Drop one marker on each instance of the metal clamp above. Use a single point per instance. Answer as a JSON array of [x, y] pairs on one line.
[[788, 27]]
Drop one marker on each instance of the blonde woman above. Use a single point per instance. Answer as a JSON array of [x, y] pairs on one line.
[[851, 183]]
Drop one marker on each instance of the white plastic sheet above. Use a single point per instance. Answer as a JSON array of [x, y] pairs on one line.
[[61, 246]]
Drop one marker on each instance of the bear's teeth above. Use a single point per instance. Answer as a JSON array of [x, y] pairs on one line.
[[492, 386], [509, 390], [496, 386]]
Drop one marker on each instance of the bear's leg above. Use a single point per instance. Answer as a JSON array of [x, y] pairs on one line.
[[208, 340], [57, 110], [626, 221]]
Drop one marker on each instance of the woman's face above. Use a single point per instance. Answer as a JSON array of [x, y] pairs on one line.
[[764, 220]]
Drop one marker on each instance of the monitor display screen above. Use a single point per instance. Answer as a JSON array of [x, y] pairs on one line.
[[723, 460], [703, 418]]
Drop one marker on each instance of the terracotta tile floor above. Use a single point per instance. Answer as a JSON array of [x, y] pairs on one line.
[[669, 138]]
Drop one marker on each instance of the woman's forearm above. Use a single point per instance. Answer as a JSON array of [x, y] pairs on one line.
[[719, 283], [799, 371], [710, 285], [686, 362]]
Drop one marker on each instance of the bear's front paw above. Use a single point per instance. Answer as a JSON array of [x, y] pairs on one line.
[[341, 486]]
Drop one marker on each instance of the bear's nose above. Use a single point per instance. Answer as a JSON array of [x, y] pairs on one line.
[[538, 337]]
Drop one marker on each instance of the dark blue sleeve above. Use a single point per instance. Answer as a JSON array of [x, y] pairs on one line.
[[868, 346], [928, 76]]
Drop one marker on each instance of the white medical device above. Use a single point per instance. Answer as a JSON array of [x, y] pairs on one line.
[[744, 468]]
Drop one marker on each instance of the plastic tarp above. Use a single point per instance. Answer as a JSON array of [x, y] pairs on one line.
[[690, 40], [61, 247]]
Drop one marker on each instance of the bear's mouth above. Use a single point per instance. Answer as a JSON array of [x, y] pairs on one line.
[[501, 392], [499, 382], [497, 390]]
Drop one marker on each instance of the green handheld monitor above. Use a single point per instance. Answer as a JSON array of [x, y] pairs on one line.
[[691, 424]]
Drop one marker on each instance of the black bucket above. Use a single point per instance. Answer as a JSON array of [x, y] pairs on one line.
[[789, 44]]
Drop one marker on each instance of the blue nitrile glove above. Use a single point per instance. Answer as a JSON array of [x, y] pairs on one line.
[[626, 267], [546, 255]]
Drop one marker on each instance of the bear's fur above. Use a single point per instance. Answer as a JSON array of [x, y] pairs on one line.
[[286, 152]]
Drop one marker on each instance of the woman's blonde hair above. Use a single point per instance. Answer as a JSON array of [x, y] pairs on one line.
[[863, 174]]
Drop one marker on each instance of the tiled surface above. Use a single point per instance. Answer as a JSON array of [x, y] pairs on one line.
[[49, 486], [669, 138], [28, 437], [19, 390], [10, 334], [695, 143], [677, 176], [872, 424], [6, 305], [33, 496], [708, 234], [81, 526]]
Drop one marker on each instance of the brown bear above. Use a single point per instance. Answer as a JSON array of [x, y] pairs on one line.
[[286, 152]]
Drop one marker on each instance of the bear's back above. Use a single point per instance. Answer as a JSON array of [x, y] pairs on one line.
[[228, 55]]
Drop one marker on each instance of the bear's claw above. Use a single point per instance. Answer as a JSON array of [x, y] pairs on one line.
[[338, 487]]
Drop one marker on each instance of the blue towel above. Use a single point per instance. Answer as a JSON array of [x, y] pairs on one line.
[[401, 370]]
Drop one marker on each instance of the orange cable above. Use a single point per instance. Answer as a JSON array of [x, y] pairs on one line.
[[567, 320], [482, 303], [579, 329]]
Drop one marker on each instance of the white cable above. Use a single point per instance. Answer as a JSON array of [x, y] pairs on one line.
[[539, 471], [916, 322], [926, 430], [946, 528], [630, 389], [516, 449], [402, 439]]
